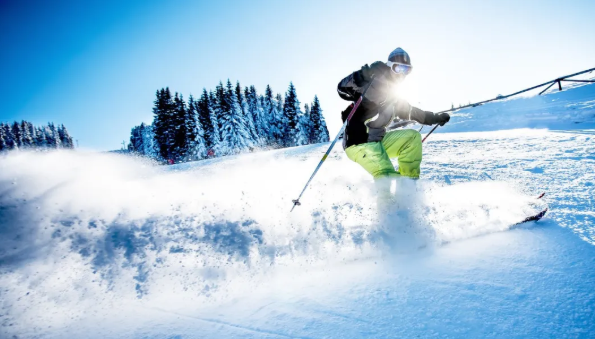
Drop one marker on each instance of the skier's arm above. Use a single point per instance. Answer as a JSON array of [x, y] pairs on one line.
[[348, 90], [351, 87], [407, 112]]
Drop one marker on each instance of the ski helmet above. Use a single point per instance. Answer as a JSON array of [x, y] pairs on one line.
[[399, 55], [399, 62]]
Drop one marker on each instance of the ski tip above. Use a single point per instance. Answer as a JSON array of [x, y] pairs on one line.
[[541, 195], [535, 217], [541, 214]]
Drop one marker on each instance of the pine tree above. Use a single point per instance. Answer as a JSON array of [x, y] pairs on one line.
[[178, 128], [196, 148], [220, 108], [163, 111], [200, 147], [310, 130], [26, 137], [247, 115], [318, 123], [280, 121], [56, 142], [65, 138], [256, 112], [191, 127], [33, 132], [136, 139], [204, 112], [216, 138], [3, 144], [8, 137], [17, 135], [292, 112], [302, 134], [150, 146], [40, 139], [236, 137], [268, 106]]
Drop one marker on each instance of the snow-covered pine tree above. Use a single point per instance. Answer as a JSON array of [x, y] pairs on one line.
[[40, 140], [200, 147], [203, 110], [17, 134], [268, 106], [33, 132], [221, 107], [150, 147], [196, 149], [159, 122], [136, 139], [8, 137], [248, 117], [314, 124], [3, 144], [236, 137], [257, 113], [215, 121], [178, 128], [56, 135], [163, 115], [49, 136], [291, 112], [65, 138], [303, 127], [318, 122], [53, 137], [190, 125], [26, 137], [280, 121], [310, 129]]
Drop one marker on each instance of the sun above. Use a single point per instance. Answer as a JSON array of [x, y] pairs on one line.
[[408, 90]]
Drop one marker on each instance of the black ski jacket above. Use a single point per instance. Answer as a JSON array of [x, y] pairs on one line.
[[379, 109]]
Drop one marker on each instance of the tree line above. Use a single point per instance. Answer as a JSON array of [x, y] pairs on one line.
[[24, 135], [225, 121]]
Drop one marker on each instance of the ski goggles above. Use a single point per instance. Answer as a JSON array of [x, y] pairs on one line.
[[399, 68]]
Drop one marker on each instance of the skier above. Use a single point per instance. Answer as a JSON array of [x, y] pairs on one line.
[[365, 139]]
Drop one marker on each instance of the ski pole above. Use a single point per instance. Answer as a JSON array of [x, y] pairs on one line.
[[427, 135], [296, 202]]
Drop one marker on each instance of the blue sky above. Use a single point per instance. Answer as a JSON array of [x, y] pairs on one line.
[[95, 65]]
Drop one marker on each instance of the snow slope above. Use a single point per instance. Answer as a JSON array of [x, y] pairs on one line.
[[570, 109], [103, 245]]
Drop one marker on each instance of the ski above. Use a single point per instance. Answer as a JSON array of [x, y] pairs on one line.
[[535, 217]]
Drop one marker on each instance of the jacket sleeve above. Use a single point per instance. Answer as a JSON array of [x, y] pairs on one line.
[[348, 90], [407, 112]]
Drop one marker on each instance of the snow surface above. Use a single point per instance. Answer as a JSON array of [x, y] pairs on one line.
[[108, 246]]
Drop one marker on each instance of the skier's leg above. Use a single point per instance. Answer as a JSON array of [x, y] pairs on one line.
[[405, 145], [373, 158]]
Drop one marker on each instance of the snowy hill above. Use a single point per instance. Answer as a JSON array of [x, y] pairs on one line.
[[109, 246], [573, 108]]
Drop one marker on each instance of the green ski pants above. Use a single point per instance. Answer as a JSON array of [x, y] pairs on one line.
[[375, 157]]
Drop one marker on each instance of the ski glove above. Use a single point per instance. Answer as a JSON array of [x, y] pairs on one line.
[[440, 119], [364, 75], [431, 118], [443, 118]]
